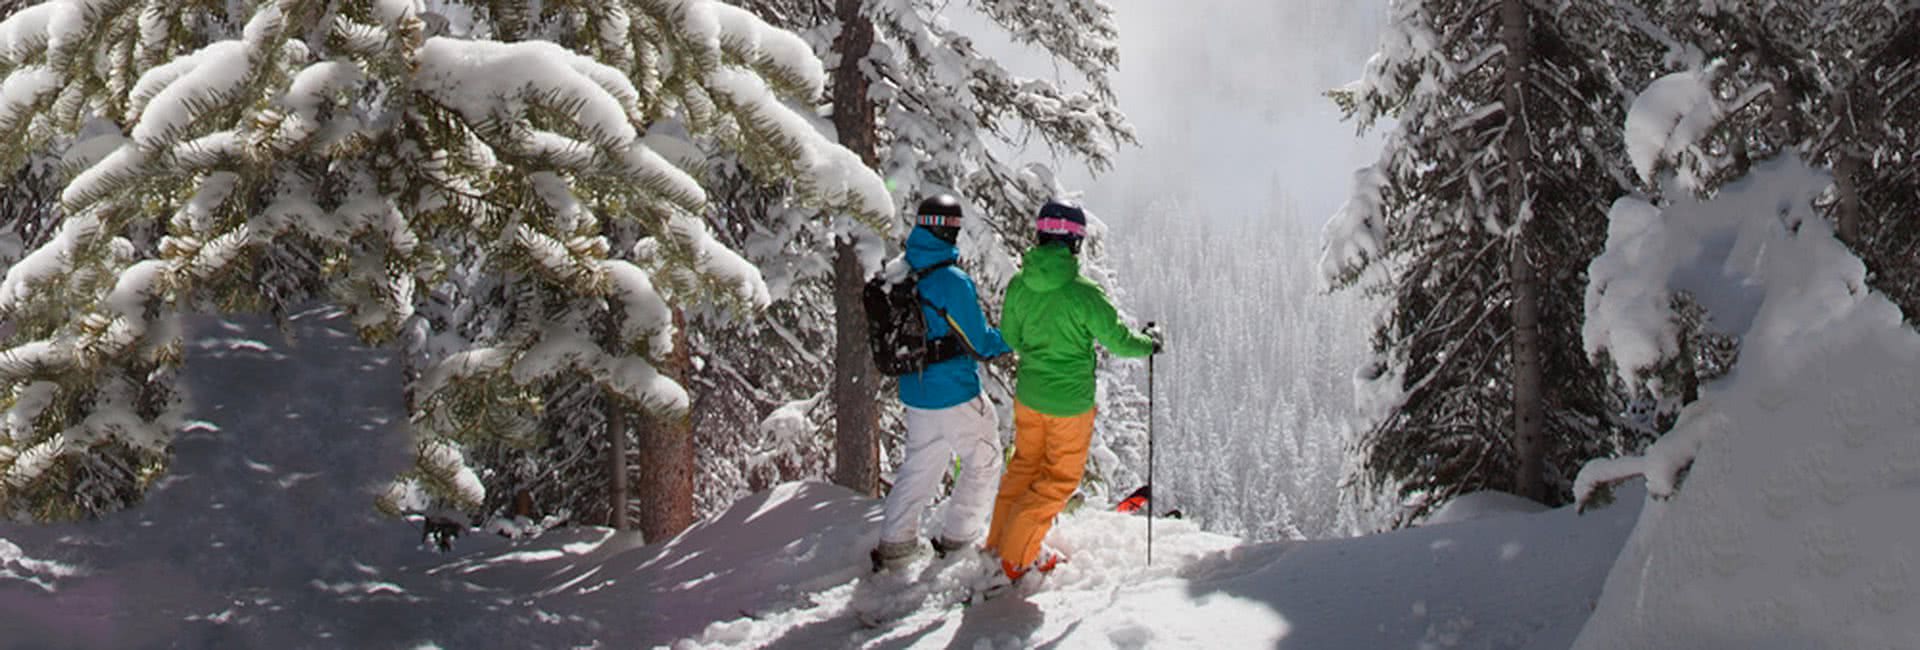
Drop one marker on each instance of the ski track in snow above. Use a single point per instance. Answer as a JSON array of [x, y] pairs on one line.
[[264, 535]]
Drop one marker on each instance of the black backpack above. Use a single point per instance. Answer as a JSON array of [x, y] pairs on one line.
[[897, 330]]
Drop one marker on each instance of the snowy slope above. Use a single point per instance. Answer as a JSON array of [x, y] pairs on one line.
[[774, 571], [265, 537]]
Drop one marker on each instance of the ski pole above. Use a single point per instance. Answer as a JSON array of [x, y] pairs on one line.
[[1150, 453]]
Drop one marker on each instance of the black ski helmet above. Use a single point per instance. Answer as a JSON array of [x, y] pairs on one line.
[[941, 215], [1061, 222]]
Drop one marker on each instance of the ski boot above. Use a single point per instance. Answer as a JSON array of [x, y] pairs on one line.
[[944, 545], [893, 555], [1044, 563]]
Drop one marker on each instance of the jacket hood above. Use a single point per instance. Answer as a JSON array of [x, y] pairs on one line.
[[924, 249], [1049, 267]]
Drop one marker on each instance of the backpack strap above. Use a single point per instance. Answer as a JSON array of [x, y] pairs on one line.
[[923, 273], [953, 328]]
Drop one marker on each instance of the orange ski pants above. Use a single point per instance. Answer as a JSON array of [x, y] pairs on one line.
[[1049, 455]]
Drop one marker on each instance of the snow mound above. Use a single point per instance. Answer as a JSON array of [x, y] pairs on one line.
[[1480, 505], [1794, 527]]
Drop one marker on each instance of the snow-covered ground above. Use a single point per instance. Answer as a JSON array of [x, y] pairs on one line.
[[264, 536]]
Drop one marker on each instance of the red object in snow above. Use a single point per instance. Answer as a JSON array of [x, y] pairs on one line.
[[1135, 502]]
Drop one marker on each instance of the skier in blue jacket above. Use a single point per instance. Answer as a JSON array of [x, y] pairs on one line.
[[947, 414]]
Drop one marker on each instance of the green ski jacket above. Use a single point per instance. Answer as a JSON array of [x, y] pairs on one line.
[[1051, 319]]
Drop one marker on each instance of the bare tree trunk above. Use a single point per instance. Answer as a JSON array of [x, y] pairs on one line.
[[856, 446], [667, 454], [1846, 169], [1529, 441], [617, 464]]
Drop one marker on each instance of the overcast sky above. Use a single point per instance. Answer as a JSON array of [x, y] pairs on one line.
[[1226, 97]]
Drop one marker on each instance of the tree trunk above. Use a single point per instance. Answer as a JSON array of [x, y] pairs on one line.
[[616, 464], [667, 455], [1529, 442], [856, 446], [1846, 169]]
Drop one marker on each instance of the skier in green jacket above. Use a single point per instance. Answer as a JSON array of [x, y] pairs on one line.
[[1052, 317]]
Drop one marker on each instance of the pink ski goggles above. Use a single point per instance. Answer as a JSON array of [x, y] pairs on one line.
[[1058, 226]]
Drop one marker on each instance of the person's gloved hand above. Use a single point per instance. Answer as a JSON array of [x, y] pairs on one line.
[[1159, 340], [1004, 361]]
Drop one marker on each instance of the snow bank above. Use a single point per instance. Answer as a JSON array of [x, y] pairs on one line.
[[1481, 505], [1793, 528]]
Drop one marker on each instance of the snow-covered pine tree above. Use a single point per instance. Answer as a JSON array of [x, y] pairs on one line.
[[464, 192], [941, 110], [1747, 82], [1474, 226]]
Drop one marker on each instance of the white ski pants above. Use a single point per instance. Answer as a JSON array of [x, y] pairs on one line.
[[969, 430]]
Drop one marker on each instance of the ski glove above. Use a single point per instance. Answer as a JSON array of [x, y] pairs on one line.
[[1153, 333]]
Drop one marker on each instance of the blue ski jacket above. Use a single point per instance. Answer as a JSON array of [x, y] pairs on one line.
[[948, 293]]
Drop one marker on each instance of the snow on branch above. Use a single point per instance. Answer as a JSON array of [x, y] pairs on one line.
[[776, 54], [714, 259], [825, 168], [206, 81], [29, 401], [662, 176], [34, 359], [53, 29], [1356, 235], [463, 365], [128, 302], [646, 313], [50, 261], [29, 464], [1668, 119], [442, 464], [312, 87], [1757, 257], [23, 90], [101, 179], [561, 348], [488, 81]]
